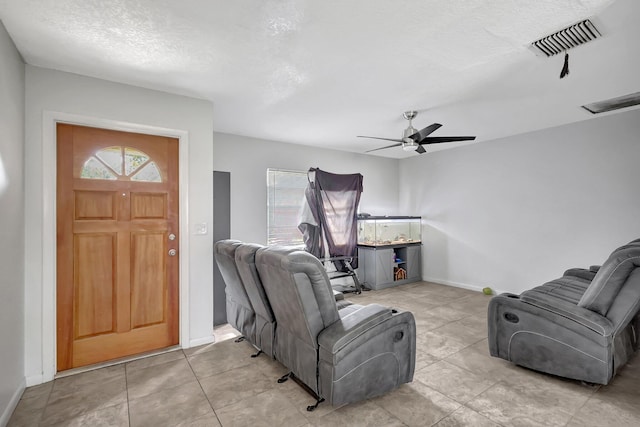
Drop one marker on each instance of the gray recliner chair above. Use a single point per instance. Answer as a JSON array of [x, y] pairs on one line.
[[265, 322], [584, 325], [342, 355], [240, 312]]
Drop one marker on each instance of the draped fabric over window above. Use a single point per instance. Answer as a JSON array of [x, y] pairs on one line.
[[328, 220]]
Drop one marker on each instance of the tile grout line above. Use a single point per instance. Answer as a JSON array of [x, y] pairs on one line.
[[201, 388], [126, 383]]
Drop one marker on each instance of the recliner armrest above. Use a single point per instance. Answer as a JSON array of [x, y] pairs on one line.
[[583, 316], [341, 332]]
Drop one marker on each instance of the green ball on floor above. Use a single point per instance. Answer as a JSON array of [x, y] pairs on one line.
[[487, 291]]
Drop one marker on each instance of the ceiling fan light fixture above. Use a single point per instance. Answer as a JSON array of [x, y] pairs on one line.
[[409, 144]]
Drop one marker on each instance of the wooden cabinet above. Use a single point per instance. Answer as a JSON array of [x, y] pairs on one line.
[[381, 267]]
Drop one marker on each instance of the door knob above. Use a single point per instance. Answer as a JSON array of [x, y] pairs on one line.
[[172, 236], [172, 252]]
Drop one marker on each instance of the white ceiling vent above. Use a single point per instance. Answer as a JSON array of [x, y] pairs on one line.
[[613, 103], [565, 39]]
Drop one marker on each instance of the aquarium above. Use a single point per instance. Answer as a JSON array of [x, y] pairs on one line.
[[388, 230]]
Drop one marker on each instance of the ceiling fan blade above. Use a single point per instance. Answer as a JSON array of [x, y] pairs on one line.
[[420, 149], [384, 139], [439, 139], [382, 148], [423, 133]]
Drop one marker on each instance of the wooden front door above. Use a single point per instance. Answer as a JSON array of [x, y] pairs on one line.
[[117, 243]]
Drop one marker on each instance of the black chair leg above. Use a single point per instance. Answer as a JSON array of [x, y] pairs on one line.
[[285, 377], [312, 408]]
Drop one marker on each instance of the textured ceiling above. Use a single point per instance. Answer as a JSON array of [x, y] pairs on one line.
[[322, 72]]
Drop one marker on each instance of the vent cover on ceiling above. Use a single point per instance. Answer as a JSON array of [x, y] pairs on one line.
[[613, 103], [565, 39]]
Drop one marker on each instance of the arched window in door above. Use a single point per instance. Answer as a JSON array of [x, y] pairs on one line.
[[121, 163]]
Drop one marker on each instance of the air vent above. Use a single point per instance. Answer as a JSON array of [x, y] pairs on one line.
[[565, 39], [613, 103]]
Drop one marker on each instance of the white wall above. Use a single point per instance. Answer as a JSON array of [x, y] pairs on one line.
[[516, 212], [11, 226], [53, 91], [247, 159]]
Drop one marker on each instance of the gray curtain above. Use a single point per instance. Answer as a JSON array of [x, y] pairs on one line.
[[330, 215]]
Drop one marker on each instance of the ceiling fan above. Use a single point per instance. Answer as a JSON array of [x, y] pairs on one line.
[[414, 139]]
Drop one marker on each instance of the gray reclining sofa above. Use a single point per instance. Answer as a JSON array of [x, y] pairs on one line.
[[240, 312], [584, 325], [340, 352]]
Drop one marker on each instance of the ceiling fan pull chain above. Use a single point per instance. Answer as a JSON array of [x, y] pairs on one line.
[[565, 69]]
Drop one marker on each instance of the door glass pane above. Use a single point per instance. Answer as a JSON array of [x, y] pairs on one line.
[[109, 163], [112, 157], [133, 159], [93, 169], [149, 173]]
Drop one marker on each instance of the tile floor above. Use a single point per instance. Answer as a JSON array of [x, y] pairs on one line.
[[456, 383]]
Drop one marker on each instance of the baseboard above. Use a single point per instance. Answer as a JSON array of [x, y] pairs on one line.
[[13, 402], [477, 288], [202, 341]]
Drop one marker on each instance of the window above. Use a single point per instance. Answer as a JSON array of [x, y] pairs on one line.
[[114, 163], [285, 196]]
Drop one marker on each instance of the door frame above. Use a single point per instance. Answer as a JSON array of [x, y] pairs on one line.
[[49, 247]]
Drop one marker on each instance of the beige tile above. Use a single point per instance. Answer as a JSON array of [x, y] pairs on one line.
[[84, 393], [41, 391], [232, 386], [599, 412], [209, 420], [466, 417], [417, 303], [31, 406], [365, 414], [434, 288], [453, 381], [440, 345], [535, 402], [423, 359], [221, 357], [147, 362], [466, 334], [221, 334], [478, 324], [416, 404], [426, 322], [188, 352], [300, 398], [476, 358], [475, 304], [155, 378], [78, 382], [445, 312], [268, 366], [170, 406], [225, 332], [270, 408], [112, 416], [26, 414]]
